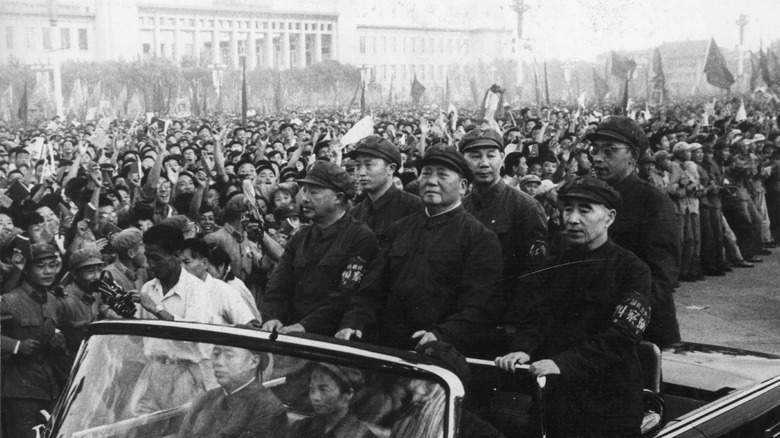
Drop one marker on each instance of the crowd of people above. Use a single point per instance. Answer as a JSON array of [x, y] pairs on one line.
[[554, 236]]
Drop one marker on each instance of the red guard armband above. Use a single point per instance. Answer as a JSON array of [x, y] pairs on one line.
[[353, 273], [633, 314]]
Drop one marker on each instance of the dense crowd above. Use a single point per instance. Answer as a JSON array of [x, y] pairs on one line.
[[237, 210]]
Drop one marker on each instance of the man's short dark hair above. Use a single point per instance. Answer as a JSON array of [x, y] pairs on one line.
[[198, 247], [169, 238]]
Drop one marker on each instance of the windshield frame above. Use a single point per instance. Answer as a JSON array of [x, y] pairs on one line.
[[305, 346]]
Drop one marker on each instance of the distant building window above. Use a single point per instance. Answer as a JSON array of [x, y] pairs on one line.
[[30, 37], [9, 38], [147, 48], [83, 39], [373, 45], [46, 38], [362, 45], [65, 38]]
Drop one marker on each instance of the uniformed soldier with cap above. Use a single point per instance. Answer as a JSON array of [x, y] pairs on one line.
[[31, 343], [647, 224], [376, 161], [592, 306], [81, 306], [517, 219], [439, 272], [324, 262]]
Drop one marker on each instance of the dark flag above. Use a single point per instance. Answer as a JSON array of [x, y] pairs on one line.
[[659, 78], [244, 103], [624, 104], [363, 109], [357, 92], [194, 103], [447, 97], [755, 71], [278, 103], [474, 92], [715, 68], [390, 98], [23, 106], [621, 66], [417, 91], [600, 86], [774, 66], [546, 86], [536, 87]]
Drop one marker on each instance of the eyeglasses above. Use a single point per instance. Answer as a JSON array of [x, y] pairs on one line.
[[606, 151]]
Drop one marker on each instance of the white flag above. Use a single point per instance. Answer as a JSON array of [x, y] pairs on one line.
[[741, 114], [359, 131]]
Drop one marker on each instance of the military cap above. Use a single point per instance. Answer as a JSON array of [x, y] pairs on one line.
[[264, 164], [288, 172], [530, 179], [592, 190], [236, 204], [83, 258], [680, 147], [622, 129], [450, 158], [377, 147], [331, 176], [477, 138], [126, 239], [40, 251]]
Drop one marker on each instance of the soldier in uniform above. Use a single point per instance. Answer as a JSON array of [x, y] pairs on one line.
[[324, 263], [376, 161], [31, 344], [591, 309], [129, 268], [517, 219], [647, 224], [81, 307], [437, 276]]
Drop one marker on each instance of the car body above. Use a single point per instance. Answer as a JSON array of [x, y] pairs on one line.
[[708, 391]]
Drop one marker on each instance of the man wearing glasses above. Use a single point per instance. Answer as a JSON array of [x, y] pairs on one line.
[[646, 224]]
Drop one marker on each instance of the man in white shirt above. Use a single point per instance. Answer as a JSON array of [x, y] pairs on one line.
[[175, 372], [226, 304]]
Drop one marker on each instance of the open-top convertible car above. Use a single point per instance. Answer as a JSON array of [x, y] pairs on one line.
[[163, 379]]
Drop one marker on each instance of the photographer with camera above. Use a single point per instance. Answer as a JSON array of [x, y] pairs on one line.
[[244, 238]]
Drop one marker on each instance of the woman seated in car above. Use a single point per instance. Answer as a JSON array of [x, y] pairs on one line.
[[331, 390]]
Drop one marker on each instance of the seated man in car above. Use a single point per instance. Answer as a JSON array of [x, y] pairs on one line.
[[591, 312], [241, 406]]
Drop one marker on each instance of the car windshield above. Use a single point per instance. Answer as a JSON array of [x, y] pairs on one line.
[[134, 386]]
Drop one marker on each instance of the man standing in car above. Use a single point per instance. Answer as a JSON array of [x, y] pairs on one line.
[[324, 263], [376, 161], [646, 225], [437, 276], [517, 219], [592, 307]]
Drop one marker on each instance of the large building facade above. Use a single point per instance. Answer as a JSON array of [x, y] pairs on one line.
[[390, 39]]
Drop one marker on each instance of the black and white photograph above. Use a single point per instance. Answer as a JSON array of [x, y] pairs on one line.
[[389, 219]]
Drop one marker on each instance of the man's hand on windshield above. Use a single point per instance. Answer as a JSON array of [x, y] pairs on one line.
[[273, 325], [544, 367], [348, 334], [508, 362], [295, 328], [424, 336]]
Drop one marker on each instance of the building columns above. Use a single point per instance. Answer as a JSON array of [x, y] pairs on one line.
[[317, 45], [234, 49], [268, 43], [251, 49], [301, 48], [196, 44], [285, 61], [216, 52]]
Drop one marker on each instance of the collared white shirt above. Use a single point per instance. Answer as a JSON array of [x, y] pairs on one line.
[[228, 308], [187, 301], [246, 296]]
